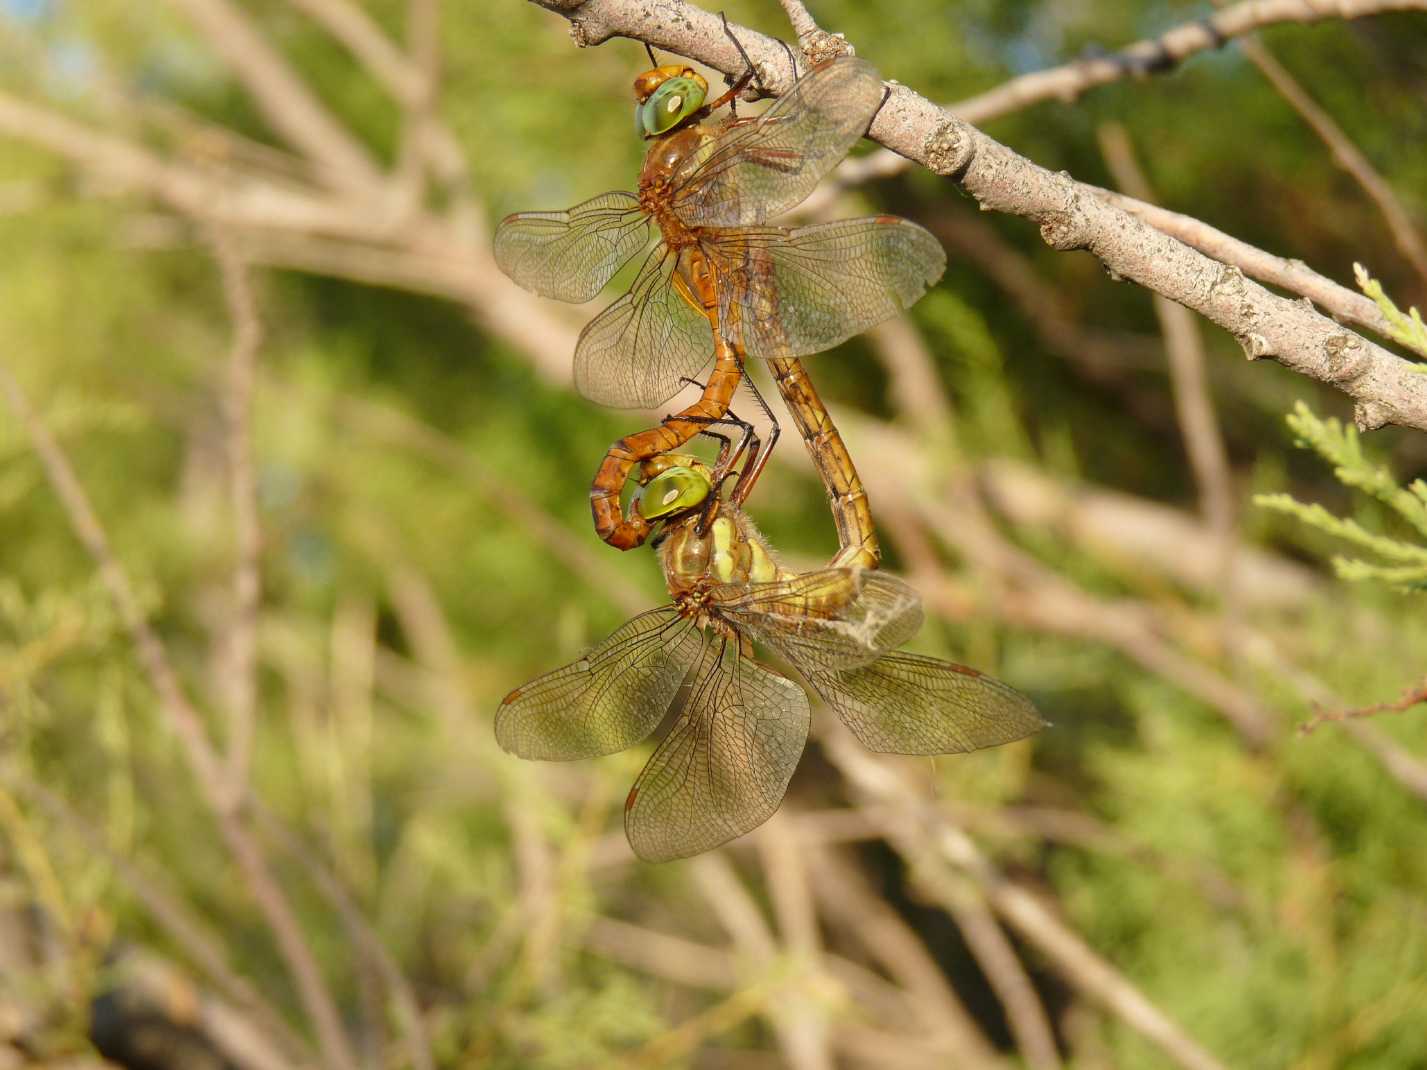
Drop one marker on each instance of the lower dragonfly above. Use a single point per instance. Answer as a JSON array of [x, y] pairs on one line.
[[740, 728]]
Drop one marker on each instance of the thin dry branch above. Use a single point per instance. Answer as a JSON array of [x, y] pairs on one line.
[[360, 929], [1163, 53], [729, 901], [284, 97], [1346, 155], [1385, 387], [1415, 695], [786, 871], [201, 947], [995, 955], [1140, 536], [1193, 401], [849, 902], [239, 663], [362, 36], [879, 782], [1157, 55], [1341, 302], [187, 725]]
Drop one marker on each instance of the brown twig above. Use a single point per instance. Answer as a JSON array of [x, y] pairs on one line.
[[1413, 696], [1193, 402], [1295, 276], [1346, 155], [284, 97], [994, 954], [239, 663], [360, 929], [1158, 55], [168, 911], [785, 867], [1386, 388], [186, 723], [877, 780], [849, 902], [1137, 536], [731, 904]]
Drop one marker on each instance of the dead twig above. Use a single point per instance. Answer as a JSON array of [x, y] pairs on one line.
[[1413, 696], [1346, 155], [1193, 401], [238, 680], [184, 719], [878, 781]]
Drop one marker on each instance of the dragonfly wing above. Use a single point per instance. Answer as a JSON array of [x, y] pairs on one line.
[[760, 167], [827, 619], [806, 289], [725, 766], [609, 699], [635, 353], [570, 255], [912, 704]]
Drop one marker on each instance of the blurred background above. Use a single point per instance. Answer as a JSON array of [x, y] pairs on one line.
[[338, 480]]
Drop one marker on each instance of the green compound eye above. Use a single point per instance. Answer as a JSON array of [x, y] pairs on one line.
[[669, 105], [672, 491]]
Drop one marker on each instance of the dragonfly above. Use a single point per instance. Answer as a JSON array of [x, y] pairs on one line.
[[739, 726], [719, 279]]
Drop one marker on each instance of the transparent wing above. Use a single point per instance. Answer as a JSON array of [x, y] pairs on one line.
[[570, 255], [610, 699], [634, 353], [760, 167], [794, 292], [825, 620], [912, 704], [725, 766]]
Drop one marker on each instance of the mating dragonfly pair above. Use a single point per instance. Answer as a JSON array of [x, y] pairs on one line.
[[721, 281]]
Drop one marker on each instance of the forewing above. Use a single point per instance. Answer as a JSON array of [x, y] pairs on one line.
[[798, 291], [913, 704], [828, 619], [635, 353], [570, 255], [609, 699], [763, 166], [725, 766]]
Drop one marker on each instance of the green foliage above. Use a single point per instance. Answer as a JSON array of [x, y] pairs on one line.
[[421, 489], [1407, 329], [1339, 445]]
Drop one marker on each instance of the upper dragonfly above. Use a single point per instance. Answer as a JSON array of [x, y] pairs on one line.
[[775, 292]]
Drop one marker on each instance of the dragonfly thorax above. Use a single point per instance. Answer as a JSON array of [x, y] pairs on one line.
[[699, 553], [668, 157]]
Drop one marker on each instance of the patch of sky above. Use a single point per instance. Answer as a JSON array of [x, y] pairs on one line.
[[27, 10]]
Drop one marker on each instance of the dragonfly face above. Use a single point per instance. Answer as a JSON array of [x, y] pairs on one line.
[[665, 97]]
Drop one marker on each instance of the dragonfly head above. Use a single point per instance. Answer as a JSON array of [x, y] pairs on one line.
[[676, 489], [667, 96]]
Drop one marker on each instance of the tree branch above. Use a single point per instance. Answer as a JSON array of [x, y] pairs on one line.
[[1385, 387], [292, 109], [1346, 155], [187, 725]]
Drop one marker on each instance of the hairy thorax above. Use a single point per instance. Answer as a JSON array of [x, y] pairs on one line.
[[666, 162], [723, 553]]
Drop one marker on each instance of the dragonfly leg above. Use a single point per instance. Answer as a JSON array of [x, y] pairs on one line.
[[792, 60], [750, 71], [757, 459]]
